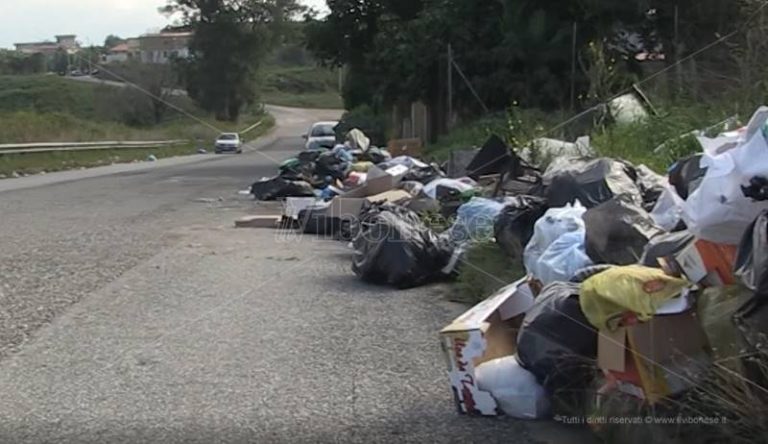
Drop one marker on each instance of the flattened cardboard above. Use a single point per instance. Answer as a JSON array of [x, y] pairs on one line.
[[258, 222], [379, 181], [485, 332], [349, 208], [658, 354]]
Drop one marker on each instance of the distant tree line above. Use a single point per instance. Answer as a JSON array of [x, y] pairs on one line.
[[511, 51]]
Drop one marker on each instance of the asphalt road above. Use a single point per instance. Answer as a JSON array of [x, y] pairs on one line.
[[132, 311]]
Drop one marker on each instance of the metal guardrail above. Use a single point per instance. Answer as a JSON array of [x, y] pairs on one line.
[[23, 148], [46, 147]]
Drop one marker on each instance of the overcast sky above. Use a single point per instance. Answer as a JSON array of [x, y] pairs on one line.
[[91, 20]]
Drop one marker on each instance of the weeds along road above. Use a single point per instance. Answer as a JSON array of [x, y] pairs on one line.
[[131, 311]]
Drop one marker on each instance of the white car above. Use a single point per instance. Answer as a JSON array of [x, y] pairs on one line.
[[321, 135], [229, 143]]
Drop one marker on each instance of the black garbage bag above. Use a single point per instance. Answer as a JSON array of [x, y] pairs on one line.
[[751, 264], [393, 247], [556, 341], [307, 157], [329, 165], [618, 231], [591, 182], [665, 245], [315, 220], [280, 187], [424, 175], [651, 186], [757, 189], [494, 157], [686, 175], [514, 226]]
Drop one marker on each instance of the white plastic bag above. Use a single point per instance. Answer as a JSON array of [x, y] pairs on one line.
[[460, 185], [555, 223], [563, 259], [514, 388], [718, 211], [668, 210]]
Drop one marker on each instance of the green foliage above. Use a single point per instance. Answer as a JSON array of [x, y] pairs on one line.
[[112, 40], [470, 135], [48, 93], [637, 142], [15, 63], [485, 270], [297, 86], [67, 160], [231, 40], [368, 121]]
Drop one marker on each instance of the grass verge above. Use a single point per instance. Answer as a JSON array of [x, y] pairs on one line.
[[486, 270], [36, 163], [302, 87]]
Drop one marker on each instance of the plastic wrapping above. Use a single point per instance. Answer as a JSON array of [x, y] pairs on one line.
[[278, 187], [668, 212], [751, 264], [459, 185], [651, 186], [686, 175], [555, 223], [618, 231], [591, 182], [556, 342], [393, 247], [665, 245], [475, 220], [514, 388], [562, 259], [514, 225], [718, 211], [607, 296]]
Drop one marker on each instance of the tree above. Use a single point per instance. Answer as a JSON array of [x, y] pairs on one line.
[[112, 40], [61, 62], [231, 38]]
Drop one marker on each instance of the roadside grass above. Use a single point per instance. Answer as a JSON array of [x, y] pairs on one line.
[[303, 86], [36, 163], [485, 270], [29, 127], [198, 135]]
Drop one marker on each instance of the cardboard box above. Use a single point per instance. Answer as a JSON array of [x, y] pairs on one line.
[[704, 262], [349, 208], [655, 359], [487, 331], [405, 147], [258, 222], [379, 181]]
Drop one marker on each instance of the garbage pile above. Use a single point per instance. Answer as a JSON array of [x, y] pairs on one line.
[[637, 283]]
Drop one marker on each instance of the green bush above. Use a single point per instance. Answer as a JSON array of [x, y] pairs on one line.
[[368, 121]]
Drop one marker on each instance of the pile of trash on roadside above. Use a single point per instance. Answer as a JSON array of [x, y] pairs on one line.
[[637, 283]]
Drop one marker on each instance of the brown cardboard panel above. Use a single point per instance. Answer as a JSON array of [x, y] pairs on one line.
[[612, 350], [500, 338], [258, 222]]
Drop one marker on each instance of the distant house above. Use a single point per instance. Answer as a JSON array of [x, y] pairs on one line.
[[67, 43], [164, 47], [119, 53]]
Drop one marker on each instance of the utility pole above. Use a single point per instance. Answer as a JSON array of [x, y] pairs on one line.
[[450, 86]]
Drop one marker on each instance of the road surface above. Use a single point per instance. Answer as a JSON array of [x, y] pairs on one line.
[[131, 311]]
